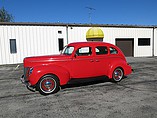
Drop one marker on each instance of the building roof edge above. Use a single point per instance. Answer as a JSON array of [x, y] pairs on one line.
[[76, 24]]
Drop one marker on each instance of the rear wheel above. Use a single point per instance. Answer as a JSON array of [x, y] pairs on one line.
[[117, 75], [48, 84]]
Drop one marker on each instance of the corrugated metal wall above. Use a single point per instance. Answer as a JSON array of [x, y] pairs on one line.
[[30, 41], [43, 40], [155, 42], [111, 33], [77, 34]]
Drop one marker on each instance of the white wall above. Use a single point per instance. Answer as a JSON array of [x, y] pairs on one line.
[[30, 41], [43, 40], [155, 42], [77, 34]]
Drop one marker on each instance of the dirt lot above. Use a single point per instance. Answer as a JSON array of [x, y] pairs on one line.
[[134, 97]]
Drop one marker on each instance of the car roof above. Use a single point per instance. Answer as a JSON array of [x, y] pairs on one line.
[[92, 43]]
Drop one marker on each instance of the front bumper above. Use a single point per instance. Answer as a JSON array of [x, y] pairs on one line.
[[27, 84]]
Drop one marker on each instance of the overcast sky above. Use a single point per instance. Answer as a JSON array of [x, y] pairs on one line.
[[131, 12]]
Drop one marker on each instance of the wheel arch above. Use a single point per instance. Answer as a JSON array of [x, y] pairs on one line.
[[61, 73], [112, 68]]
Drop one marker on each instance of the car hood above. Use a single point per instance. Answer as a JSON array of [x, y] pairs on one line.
[[31, 61]]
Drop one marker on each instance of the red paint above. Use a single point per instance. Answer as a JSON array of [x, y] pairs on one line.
[[66, 67]]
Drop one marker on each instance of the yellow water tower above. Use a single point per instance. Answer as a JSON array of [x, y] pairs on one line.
[[94, 34]]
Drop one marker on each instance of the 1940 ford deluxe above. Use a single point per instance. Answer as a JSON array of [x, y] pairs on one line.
[[80, 60]]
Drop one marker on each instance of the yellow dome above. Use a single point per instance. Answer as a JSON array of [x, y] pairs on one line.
[[94, 32]]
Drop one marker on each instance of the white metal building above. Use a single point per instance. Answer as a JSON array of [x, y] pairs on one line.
[[20, 40]]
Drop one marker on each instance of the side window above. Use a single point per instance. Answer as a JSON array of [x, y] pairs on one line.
[[113, 51], [101, 50], [13, 48], [84, 51], [68, 50]]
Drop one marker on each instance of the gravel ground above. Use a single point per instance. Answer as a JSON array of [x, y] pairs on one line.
[[134, 97]]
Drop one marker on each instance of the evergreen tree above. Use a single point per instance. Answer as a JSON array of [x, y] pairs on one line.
[[5, 16]]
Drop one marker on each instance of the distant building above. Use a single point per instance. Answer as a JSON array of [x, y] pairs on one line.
[[20, 40]]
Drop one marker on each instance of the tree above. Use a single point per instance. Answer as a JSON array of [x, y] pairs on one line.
[[5, 16]]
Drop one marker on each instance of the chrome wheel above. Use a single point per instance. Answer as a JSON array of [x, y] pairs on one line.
[[48, 84], [117, 75]]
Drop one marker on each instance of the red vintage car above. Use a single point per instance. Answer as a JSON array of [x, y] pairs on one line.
[[80, 60]]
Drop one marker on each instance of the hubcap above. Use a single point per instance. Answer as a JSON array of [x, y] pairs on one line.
[[48, 85], [118, 74]]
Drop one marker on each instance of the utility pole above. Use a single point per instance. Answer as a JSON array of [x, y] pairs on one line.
[[90, 12]]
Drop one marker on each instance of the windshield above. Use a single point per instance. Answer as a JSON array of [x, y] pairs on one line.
[[68, 50]]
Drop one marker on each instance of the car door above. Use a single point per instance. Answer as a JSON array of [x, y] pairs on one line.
[[82, 65], [101, 60]]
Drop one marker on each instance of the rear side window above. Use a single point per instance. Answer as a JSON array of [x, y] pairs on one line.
[[101, 50], [113, 51]]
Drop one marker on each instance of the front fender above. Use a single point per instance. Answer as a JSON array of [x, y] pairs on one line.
[[39, 71]]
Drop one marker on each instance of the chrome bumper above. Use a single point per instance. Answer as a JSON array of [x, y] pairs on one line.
[[23, 80], [27, 84]]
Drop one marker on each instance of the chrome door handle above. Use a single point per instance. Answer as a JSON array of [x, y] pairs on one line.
[[91, 60], [97, 60]]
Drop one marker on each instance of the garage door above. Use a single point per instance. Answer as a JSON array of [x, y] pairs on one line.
[[126, 45]]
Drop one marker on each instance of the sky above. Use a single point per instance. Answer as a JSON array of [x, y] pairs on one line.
[[127, 12]]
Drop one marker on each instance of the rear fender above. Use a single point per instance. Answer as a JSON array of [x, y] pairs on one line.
[[115, 65], [39, 71]]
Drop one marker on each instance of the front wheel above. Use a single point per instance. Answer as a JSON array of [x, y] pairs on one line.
[[48, 84], [117, 75]]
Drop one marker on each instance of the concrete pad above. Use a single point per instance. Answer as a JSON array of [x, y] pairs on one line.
[[134, 97]]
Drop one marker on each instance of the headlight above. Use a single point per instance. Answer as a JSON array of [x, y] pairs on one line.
[[30, 71]]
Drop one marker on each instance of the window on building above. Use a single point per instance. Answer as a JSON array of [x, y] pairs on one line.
[[59, 32], [101, 50], [113, 51], [144, 42], [84, 51], [61, 44], [13, 48]]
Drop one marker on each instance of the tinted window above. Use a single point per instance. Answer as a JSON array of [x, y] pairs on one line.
[[13, 48], [101, 50], [84, 51], [113, 51], [60, 44], [144, 42]]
